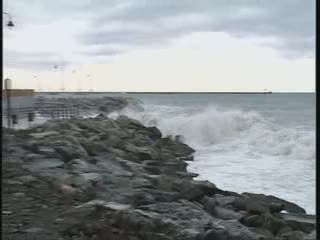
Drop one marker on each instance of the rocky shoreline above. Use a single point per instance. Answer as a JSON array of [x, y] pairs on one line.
[[100, 178]]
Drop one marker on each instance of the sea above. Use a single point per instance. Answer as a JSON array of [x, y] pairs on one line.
[[258, 143]]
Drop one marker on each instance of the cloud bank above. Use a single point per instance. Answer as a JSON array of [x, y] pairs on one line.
[[73, 31]]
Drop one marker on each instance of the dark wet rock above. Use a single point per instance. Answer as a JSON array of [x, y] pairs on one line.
[[226, 214], [26, 179], [70, 151], [35, 230], [224, 201], [237, 231], [48, 152], [44, 164], [304, 223], [249, 205], [141, 153], [178, 149], [126, 122], [266, 201], [119, 152], [215, 234], [311, 236], [43, 134], [112, 141], [188, 175], [93, 148], [80, 165], [266, 221], [292, 235], [152, 132], [276, 207], [253, 220]]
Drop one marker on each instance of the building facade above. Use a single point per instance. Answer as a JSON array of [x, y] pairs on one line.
[[18, 104]]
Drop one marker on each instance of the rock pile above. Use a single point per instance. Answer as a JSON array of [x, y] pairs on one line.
[[128, 182]]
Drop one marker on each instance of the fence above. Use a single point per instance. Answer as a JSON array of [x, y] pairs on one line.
[[46, 110]]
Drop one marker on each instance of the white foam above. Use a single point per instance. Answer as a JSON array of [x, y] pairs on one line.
[[213, 126]]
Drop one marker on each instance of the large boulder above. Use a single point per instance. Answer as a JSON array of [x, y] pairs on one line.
[[249, 205], [267, 200], [141, 153], [265, 221], [177, 148], [126, 122], [152, 132], [301, 222], [237, 231], [42, 164]]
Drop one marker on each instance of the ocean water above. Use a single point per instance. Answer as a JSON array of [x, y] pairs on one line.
[[260, 143]]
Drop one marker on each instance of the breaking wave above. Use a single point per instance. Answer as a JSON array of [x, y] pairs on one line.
[[214, 126]]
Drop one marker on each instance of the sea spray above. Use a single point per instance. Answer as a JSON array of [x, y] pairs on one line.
[[212, 126]]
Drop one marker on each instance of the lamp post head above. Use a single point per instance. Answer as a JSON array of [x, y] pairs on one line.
[[10, 24]]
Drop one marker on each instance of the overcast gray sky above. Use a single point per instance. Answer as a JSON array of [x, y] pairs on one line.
[[151, 45]]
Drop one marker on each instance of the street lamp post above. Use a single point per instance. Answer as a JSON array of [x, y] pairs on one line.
[[10, 22]]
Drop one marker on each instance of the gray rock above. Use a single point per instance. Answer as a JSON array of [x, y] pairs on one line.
[[43, 134], [33, 156], [301, 222], [249, 205], [267, 200], [112, 141], [237, 231], [152, 132], [6, 212], [142, 153], [26, 179], [194, 190], [35, 230], [216, 234], [293, 235], [118, 152], [70, 152], [109, 205], [44, 164], [125, 122], [253, 221], [89, 177], [273, 224], [18, 194], [209, 204], [80, 165], [226, 214], [224, 201], [311, 236]]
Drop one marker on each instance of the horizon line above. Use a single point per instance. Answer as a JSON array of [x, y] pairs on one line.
[[173, 92]]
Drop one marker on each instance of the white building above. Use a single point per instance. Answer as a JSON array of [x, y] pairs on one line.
[[19, 105]]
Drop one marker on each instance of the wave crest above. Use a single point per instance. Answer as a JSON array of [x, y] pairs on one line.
[[213, 126]]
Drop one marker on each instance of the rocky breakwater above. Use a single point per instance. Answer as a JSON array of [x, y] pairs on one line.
[[100, 178]]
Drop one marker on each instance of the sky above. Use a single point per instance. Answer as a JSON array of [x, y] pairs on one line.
[[152, 45]]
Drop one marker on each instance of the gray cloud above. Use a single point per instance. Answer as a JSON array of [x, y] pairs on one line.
[[147, 23], [290, 21]]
